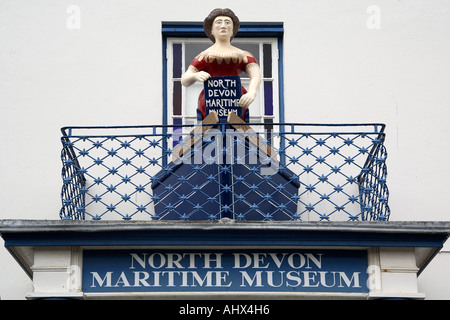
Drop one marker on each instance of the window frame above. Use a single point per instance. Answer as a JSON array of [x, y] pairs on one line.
[[256, 115]]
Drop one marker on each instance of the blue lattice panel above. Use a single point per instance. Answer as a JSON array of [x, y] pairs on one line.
[[187, 192], [264, 197], [237, 190]]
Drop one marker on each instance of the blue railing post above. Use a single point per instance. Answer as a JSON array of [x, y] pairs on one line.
[[225, 178]]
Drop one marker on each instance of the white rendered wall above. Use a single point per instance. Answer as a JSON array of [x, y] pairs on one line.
[[346, 61]]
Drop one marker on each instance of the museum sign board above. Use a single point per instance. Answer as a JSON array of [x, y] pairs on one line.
[[225, 270]]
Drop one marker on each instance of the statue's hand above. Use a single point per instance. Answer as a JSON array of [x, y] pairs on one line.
[[247, 99], [202, 76]]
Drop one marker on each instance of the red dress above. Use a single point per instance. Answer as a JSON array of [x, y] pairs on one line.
[[221, 65]]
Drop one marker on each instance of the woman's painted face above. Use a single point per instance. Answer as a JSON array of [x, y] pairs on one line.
[[222, 27]]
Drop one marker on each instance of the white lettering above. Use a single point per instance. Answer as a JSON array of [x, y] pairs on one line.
[[217, 260], [270, 279], [171, 277], [134, 256], [237, 260], [249, 280], [221, 278], [293, 276], [151, 260], [100, 281], [275, 259], [141, 282], [300, 260], [347, 281], [200, 280], [122, 281], [232, 269], [171, 262], [323, 279], [192, 256], [207, 311], [257, 258], [308, 277], [316, 261]]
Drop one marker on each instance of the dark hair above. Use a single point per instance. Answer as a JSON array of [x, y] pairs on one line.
[[207, 23]]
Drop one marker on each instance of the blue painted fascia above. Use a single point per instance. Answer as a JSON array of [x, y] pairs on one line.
[[224, 237]]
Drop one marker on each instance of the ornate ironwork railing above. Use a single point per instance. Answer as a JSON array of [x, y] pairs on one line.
[[256, 172]]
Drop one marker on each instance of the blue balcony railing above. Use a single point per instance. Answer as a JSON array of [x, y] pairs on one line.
[[262, 172]]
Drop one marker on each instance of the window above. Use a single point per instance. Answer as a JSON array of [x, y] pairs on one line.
[[183, 41], [182, 102]]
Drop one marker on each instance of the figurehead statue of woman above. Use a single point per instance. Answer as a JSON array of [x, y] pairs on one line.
[[223, 59]]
